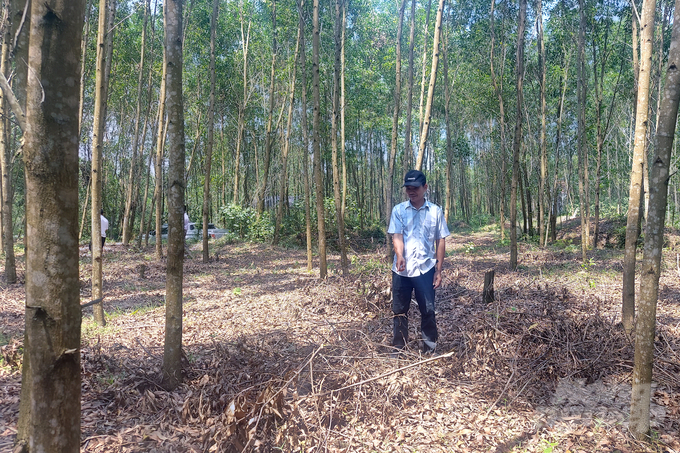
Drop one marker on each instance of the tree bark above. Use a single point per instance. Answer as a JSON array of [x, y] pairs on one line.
[[269, 143], [632, 232], [6, 163], [172, 351], [240, 134], [107, 10], [305, 133], [283, 199], [542, 195], [430, 91], [498, 88], [517, 142], [651, 261], [316, 142], [211, 133], [408, 152], [50, 409], [158, 168], [133, 176], [581, 135], [389, 184]]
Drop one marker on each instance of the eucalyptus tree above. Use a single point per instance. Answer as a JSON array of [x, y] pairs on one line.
[[133, 186], [517, 141], [50, 409], [107, 13], [316, 141], [211, 129], [389, 184], [430, 90], [641, 119], [654, 232], [172, 352]]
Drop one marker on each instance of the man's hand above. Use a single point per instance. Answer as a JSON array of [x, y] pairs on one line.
[[401, 263], [398, 241], [437, 281]]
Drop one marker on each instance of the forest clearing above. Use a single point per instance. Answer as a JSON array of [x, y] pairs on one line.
[[276, 359]]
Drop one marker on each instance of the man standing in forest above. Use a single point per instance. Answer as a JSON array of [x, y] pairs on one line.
[[418, 230]]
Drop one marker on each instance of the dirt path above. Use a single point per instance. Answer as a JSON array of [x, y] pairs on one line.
[[276, 358]]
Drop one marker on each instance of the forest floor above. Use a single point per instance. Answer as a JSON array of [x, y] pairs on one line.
[[276, 359]]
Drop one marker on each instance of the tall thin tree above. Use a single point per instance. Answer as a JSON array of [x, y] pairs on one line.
[[632, 232], [654, 232], [316, 141], [50, 409], [517, 141], [211, 132], [172, 351]]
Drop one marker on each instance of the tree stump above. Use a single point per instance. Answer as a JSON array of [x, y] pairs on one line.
[[487, 294], [141, 271]]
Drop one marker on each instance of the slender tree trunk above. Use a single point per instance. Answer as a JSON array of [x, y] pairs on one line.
[[316, 142], [240, 134], [430, 90], [211, 132], [262, 188], [53, 314], [6, 164], [334, 137], [158, 168], [305, 133], [133, 176], [651, 261], [517, 142], [426, 32], [389, 184], [408, 151], [498, 88], [286, 145], [342, 111], [581, 138], [632, 232], [449, 143], [172, 351], [543, 198], [107, 10]]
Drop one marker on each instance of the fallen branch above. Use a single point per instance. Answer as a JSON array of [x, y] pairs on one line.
[[375, 378]]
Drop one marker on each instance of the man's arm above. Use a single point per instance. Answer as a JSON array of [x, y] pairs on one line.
[[398, 241], [441, 253]]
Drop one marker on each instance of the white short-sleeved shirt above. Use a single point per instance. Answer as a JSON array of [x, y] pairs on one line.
[[105, 225], [420, 228]]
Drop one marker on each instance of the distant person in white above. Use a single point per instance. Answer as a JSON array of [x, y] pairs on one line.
[[105, 226], [186, 221]]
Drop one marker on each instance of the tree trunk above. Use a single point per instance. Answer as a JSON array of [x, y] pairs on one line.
[[498, 88], [651, 261], [6, 164], [337, 194], [283, 199], [408, 152], [240, 134], [426, 32], [543, 175], [316, 142], [107, 12], [517, 142], [172, 351], [430, 90], [133, 176], [581, 135], [305, 133], [269, 143], [211, 132], [53, 316], [632, 232], [389, 184], [158, 168]]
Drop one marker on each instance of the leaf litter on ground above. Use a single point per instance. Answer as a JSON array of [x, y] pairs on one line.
[[277, 360]]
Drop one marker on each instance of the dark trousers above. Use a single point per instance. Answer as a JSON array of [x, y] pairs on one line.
[[402, 287]]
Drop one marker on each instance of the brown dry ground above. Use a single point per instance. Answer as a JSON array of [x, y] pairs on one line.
[[278, 360]]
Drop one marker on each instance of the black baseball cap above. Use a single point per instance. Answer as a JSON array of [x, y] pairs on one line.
[[414, 178]]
